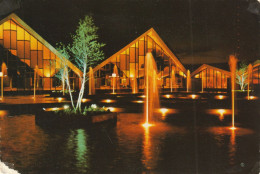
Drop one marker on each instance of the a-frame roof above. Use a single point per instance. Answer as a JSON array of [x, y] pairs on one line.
[[153, 34], [204, 66], [26, 27]]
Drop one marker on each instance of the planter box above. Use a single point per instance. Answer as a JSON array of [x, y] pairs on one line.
[[51, 118]]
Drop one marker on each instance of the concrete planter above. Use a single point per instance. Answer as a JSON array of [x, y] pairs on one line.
[[51, 118]]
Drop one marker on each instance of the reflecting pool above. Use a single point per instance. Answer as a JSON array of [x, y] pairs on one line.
[[127, 147]]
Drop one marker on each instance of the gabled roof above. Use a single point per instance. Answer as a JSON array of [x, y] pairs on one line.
[[256, 63], [19, 21], [204, 66], [153, 34]]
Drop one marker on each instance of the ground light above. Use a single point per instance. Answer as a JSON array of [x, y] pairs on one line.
[[164, 111], [220, 97], [147, 125], [59, 99]]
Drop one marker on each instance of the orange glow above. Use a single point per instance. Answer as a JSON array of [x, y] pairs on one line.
[[220, 97], [113, 109], [59, 99], [221, 111], [108, 101], [164, 111], [138, 101], [85, 100], [252, 98], [142, 96], [147, 125], [167, 96], [194, 96], [233, 128], [3, 113]]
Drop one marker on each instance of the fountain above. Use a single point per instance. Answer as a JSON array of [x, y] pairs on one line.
[[3, 73], [202, 79], [151, 88], [249, 75], [232, 64], [134, 84], [35, 79], [172, 79], [188, 81], [91, 82], [114, 79]]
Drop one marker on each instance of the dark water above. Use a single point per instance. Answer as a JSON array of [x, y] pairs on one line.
[[126, 148]]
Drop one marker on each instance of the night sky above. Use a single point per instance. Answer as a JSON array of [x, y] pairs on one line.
[[197, 31]]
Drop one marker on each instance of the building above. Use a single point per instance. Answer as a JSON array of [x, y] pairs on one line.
[[22, 49], [212, 77], [256, 73], [127, 65]]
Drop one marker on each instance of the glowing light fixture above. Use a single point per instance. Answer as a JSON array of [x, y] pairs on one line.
[[108, 101], [164, 111], [112, 109], [55, 109], [142, 96], [193, 96], [221, 111], [220, 97], [138, 101], [167, 96], [147, 125], [85, 100], [232, 128], [66, 106], [59, 99], [113, 74]]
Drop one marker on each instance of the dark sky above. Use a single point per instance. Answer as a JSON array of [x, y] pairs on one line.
[[197, 31]]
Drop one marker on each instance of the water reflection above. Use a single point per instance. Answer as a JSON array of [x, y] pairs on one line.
[[126, 148], [77, 140], [232, 147], [147, 154]]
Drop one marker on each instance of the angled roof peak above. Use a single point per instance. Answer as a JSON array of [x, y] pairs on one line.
[[154, 35], [26, 27]]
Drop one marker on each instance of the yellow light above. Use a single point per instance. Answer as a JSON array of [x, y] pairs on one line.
[[167, 96], [164, 111], [85, 100], [193, 96], [252, 97], [220, 97], [221, 111], [55, 109], [1, 74], [138, 101], [59, 99], [114, 75], [232, 128], [147, 125], [108, 101], [111, 109], [66, 106], [142, 96]]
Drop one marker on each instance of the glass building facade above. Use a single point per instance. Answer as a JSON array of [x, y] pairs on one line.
[[130, 63], [212, 77], [22, 50], [256, 74]]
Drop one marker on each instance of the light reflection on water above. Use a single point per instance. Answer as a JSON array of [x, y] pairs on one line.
[[127, 147]]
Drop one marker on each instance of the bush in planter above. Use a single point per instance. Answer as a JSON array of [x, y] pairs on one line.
[[87, 111]]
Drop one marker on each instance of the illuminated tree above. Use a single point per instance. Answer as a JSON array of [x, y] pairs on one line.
[[85, 51], [241, 76]]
